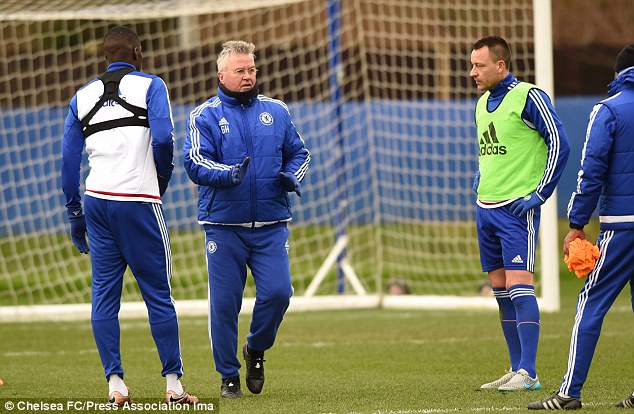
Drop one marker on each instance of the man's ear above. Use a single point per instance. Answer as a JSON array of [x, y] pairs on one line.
[[137, 56]]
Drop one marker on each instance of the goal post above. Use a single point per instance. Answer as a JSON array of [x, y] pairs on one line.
[[549, 240], [381, 96]]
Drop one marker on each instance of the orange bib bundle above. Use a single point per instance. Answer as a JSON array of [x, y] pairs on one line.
[[582, 256]]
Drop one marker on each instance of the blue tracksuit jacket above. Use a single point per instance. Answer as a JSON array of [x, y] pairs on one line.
[[607, 166], [221, 133]]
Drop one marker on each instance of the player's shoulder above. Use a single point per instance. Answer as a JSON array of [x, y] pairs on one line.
[[149, 79], [90, 83], [618, 98], [89, 92], [144, 75], [519, 86], [529, 88], [533, 93]]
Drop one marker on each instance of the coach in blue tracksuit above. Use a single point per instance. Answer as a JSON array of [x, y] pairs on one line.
[[245, 154], [606, 177]]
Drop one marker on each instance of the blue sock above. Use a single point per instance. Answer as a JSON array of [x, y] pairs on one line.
[[527, 311], [509, 326]]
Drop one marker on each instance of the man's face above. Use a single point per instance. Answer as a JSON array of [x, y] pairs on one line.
[[485, 72], [239, 73]]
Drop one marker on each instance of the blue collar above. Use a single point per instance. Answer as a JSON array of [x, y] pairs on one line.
[[503, 86], [624, 80], [231, 101], [120, 65]]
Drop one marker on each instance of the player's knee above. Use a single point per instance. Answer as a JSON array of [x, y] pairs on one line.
[[163, 314], [280, 297]]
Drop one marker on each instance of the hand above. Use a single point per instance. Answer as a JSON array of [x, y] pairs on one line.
[[290, 183], [476, 182], [78, 230], [239, 171], [572, 235], [523, 205], [162, 183]]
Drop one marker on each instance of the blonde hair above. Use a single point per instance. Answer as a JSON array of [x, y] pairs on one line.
[[234, 46]]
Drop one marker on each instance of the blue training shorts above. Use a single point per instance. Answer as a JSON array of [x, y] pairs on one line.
[[506, 240]]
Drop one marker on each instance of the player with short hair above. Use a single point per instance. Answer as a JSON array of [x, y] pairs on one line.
[[245, 155], [523, 150], [606, 177], [124, 120]]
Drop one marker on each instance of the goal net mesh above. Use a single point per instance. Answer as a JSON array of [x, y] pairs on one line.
[[379, 90]]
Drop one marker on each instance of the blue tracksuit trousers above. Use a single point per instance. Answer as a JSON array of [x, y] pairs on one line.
[[230, 249], [613, 270], [129, 233]]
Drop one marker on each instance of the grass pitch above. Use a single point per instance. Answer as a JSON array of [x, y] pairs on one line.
[[357, 361]]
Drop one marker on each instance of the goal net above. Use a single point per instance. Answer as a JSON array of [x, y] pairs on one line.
[[379, 90]]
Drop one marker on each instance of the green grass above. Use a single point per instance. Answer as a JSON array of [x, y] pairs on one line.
[[356, 361]]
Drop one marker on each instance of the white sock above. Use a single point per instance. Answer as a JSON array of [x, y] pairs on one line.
[[562, 395], [115, 383], [174, 384]]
